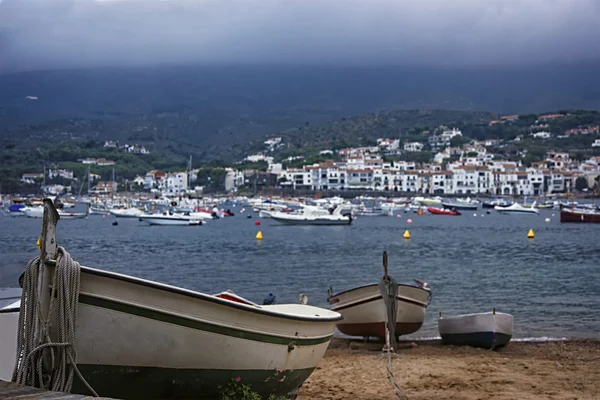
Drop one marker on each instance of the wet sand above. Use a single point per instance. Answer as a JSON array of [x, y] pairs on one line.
[[429, 370]]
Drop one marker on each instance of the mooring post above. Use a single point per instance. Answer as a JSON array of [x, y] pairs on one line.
[[48, 249]]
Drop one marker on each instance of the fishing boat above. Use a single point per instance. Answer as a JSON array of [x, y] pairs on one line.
[[364, 310], [489, 330], [137, 338], [581, 215], [443, 211], [312, 216], [171, 219], [516, 208], [461, 204]]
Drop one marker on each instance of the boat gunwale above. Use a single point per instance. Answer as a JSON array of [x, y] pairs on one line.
[[473, 314], [207, 297], [376, 284]]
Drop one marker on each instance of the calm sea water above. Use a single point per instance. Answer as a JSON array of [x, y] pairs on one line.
[[551, 284]]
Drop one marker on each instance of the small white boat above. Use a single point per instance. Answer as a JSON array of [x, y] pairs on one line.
[[516, 208], [9, 321], [310, 216], [143, 339], [364, 310], [38, 212], [71, 215], [489, 330], [98, 210], [373, 212], [171, 219], [126, 212]]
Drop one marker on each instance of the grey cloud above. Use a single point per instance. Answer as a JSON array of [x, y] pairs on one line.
[[38, 34]]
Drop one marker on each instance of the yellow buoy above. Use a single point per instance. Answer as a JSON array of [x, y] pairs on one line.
[[38, 243], [406, 234], [530, 234], [259, 235]]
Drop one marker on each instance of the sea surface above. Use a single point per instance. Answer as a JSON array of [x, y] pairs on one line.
[[551, 284]]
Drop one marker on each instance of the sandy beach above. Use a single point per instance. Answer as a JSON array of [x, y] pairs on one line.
[[429, 370]]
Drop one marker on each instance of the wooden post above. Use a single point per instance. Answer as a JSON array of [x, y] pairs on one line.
[[48, 249]]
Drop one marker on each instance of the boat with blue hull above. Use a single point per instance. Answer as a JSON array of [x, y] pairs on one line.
[[489, 330]]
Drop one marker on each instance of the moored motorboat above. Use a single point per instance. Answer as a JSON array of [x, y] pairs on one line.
[[489, 330], [311, 216], [141, 339], [171, 219], [442, 211], [461, 204], [516, 208], [38, 212], [364, 310]]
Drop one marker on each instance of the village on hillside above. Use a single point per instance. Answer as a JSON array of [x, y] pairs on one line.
[[472, 168]]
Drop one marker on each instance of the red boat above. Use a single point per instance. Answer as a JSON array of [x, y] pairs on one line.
[[442, 211]]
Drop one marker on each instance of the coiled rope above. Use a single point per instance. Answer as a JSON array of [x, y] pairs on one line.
[[33, 338]]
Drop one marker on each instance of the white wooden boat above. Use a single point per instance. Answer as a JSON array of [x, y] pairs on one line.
[[516, 208], [9, 318], [137, 338], [71, 215], [308, 216], [98, 210], [364, 310], [171, 219], [489, 330], [126, 212]]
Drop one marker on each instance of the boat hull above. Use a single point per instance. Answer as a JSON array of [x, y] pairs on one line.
[[484, 330], [364, 311], [460, 206], [139, 339], [313, 221], [580, 217], [166, 221]]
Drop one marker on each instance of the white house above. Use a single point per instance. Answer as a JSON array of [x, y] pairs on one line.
[[233, 179], [388, 144], [177, 182], [541, 135], [60, 173], [272, 142], [31, 178], [413, 146]]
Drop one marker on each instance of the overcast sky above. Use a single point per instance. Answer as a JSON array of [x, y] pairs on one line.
[[42, 34]]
